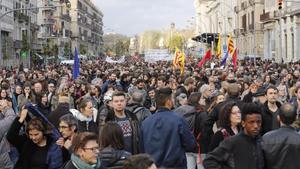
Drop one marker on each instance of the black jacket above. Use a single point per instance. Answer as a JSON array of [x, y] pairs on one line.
[[237, 152], [134, 125], [61, 110], [214, 116], [281, 148], [112, 158], [269, 119], [219, 136]]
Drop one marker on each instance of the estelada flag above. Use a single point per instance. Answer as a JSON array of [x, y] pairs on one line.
[[205, 58], [179, 60], [230, 46]]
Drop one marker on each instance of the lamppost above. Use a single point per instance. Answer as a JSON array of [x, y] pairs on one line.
[[67, 2]]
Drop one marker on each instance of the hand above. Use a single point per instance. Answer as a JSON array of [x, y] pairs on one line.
[[23, 115], [68, 144], [152, 108], [3, 103], [60, 142]]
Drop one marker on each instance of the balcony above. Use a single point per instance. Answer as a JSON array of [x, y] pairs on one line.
[[265, 16], [49, 21], [66, 17], [236, 9], [21, 17], [244, 5]]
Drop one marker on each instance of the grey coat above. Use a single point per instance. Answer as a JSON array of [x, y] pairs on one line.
[[6, 118]]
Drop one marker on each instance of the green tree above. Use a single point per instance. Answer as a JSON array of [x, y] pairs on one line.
[[67, 48], [122, 47], [176, 41], [82, 49]]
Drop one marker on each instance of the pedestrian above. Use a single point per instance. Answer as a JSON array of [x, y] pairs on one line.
[[112, 153], [36, 148], [7, 116], [126, 120], [140, 161], [85, 152], [167, 132], [242, 150], [229, 121], [281, 147], [85, 116]]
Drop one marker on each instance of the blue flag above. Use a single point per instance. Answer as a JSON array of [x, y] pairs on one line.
[[76, 65], [223, 62]]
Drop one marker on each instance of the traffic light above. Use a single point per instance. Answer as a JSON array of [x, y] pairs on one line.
[[280, 4]]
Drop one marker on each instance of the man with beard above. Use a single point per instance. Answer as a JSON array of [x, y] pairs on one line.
[[270, 110], [188, 88], [36, 92], [139, 87]]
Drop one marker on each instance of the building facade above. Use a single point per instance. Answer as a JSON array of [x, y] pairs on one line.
[[6, 30], [249, 30], [86, 27], [281, 31]]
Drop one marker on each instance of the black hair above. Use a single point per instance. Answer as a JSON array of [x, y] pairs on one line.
[[140, 161], [271, 87], [249, 109], [162, 96]]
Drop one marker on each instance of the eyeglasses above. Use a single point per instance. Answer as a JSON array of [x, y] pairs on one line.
[[93, 149]]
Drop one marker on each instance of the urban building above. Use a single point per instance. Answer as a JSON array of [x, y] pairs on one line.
[[25, 31], [6, 30], [55, 28], [249, 30], [281, 31], [86, 27]]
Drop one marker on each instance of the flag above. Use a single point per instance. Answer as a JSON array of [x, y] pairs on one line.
[[223, 62], [179, 60], [76, 65], [234, 59], [205, 58], [230, 46], [219, 50]]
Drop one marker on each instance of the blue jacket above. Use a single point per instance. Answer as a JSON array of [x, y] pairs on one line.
[[166, 137]]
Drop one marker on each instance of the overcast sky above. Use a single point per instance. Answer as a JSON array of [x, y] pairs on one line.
[[132, 17]]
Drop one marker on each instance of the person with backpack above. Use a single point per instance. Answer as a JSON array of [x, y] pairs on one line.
[[229, 121], [136, 106], [195, 115]]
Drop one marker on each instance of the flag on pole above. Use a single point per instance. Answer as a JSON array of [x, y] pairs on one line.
[[223, 62], [230, 46], [205, 58], [234, 59], [179, 60], [76, 65], [219, 50]]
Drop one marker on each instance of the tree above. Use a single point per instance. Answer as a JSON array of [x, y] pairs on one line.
[[176, 41], [82, 49], [67, 48], [122, 47]]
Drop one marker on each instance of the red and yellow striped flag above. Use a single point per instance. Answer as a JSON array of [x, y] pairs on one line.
[[230, 46], [219, 50], [179, 60]]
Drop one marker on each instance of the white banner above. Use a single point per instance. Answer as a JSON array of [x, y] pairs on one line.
[[154, 55], [110, 60]]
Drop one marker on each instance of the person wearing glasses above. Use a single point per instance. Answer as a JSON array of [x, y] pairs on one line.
[[85, 152], [67, 127]]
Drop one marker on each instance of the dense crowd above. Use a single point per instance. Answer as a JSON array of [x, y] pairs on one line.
[[139, 115]]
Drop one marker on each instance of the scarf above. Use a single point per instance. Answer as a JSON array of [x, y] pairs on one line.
[[78, 163]]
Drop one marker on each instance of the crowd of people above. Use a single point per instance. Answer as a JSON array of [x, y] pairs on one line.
[[139, 115]]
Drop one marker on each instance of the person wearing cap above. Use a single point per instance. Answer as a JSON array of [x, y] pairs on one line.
[[259, 96], [104, 109], [167, 133]]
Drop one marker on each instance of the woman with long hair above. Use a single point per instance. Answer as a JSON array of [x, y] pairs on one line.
[[229, 121], [112, 152]]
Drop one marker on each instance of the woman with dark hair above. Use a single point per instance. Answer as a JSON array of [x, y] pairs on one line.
[[217, 98], [85, 150], [17, 92], [229, 121], [85, 116], [5, 96], [112, 146], [37, 149], [43, 104]]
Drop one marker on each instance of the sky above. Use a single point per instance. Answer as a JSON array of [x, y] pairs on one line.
[[131, 17]]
